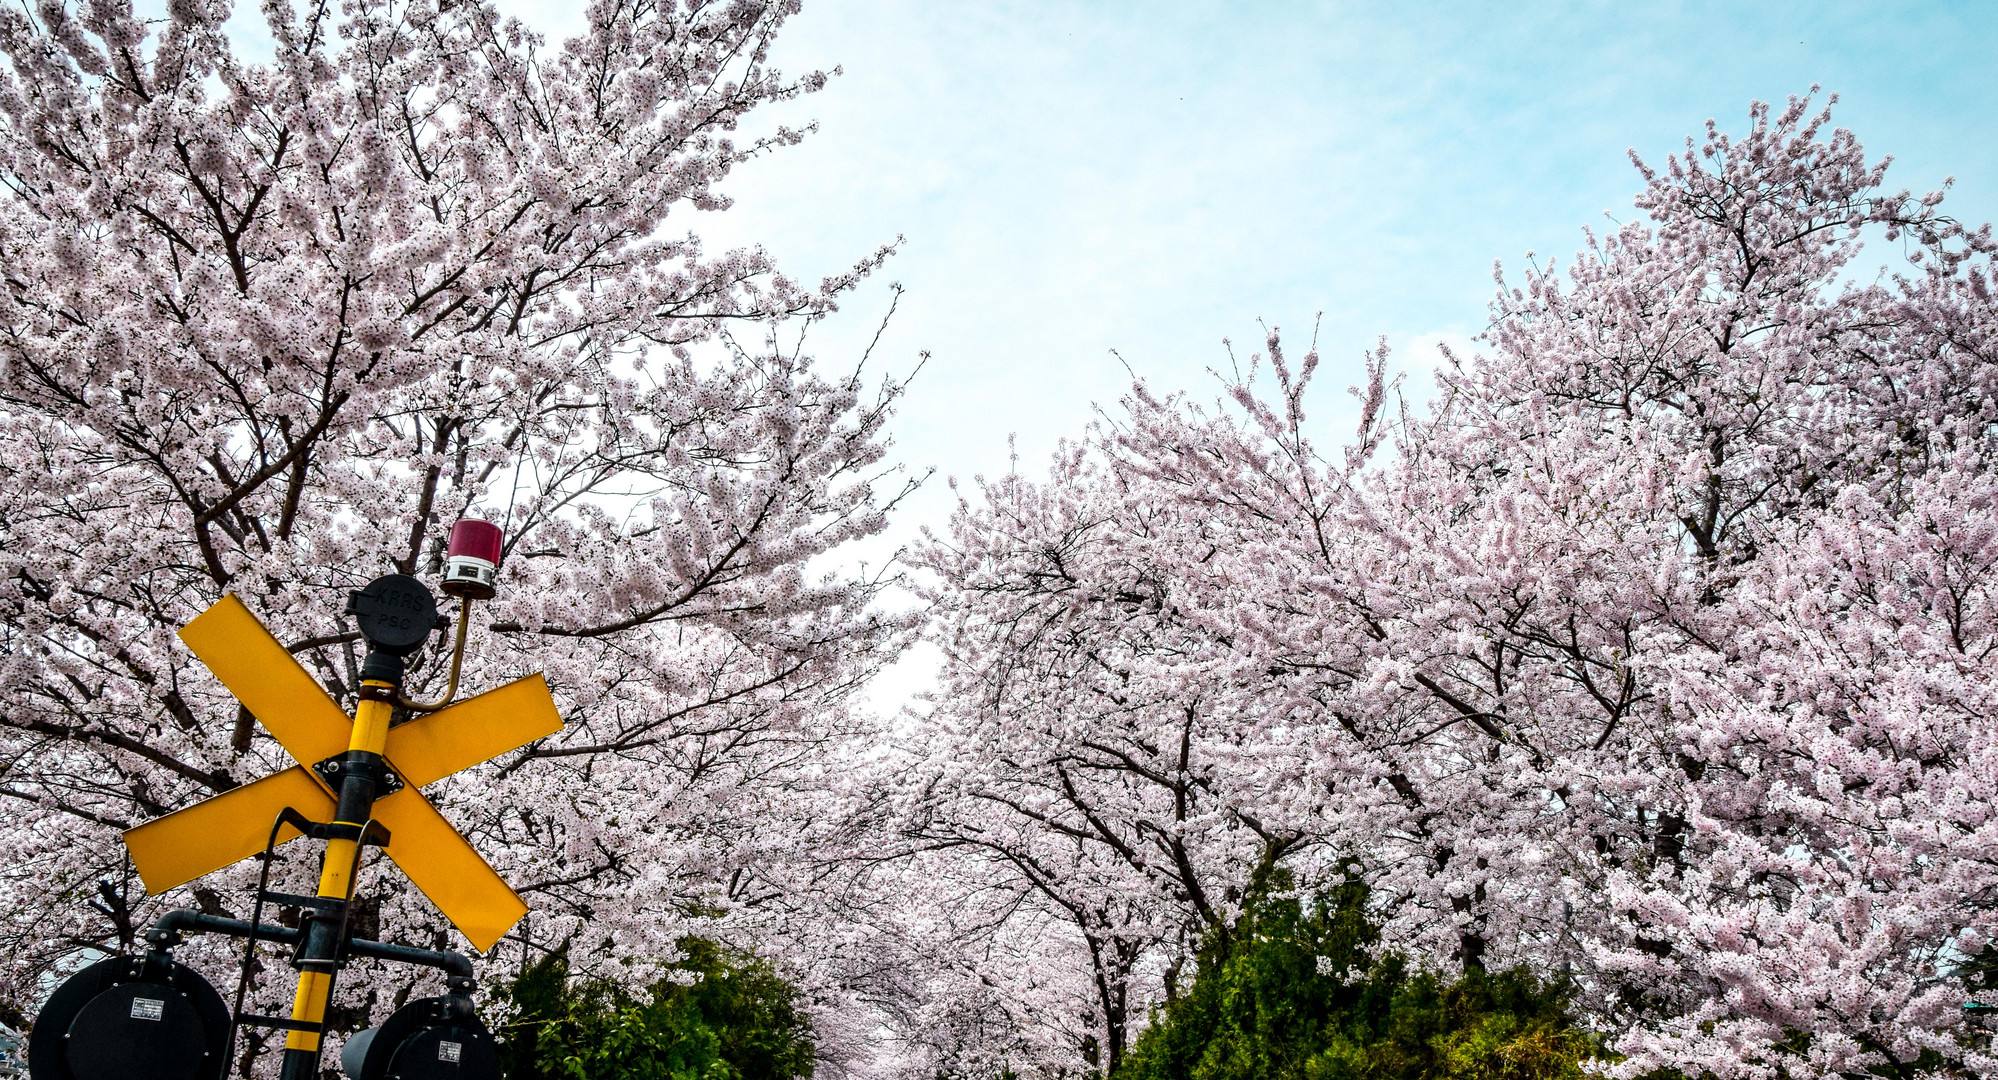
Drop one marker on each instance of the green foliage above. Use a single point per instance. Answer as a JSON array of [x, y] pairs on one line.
[[737, 1020], [1262, 1007]]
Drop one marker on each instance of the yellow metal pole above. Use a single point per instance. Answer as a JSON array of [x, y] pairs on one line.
[[357, 792]]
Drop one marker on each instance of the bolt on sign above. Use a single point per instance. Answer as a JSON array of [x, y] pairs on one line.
[[189, 843]]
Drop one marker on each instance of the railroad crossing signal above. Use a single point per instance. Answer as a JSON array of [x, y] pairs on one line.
[[200, 839], [356, 783]]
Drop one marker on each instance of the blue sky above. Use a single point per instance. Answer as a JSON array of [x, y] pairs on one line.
[[1151, 178]]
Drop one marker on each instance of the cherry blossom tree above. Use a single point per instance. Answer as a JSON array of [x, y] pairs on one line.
[[1097, 745], [1655, 652], [271, 326], [1629, 558]]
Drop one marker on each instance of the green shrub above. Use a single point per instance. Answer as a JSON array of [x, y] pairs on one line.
[[737, 1020], [1262, 1006]]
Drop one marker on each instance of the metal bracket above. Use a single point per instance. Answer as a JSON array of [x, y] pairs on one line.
[[330, 963], [334, 768], [376, 833], [321, 903]]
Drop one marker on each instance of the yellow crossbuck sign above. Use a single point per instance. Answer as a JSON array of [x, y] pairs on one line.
[[235, 825]]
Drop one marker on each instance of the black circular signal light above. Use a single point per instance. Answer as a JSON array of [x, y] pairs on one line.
[[131, 1016], [437, 1038]]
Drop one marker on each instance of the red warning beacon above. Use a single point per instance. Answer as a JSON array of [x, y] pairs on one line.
[[472, 565]]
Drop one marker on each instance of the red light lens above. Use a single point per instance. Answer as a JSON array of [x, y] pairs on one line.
[[476, 539]]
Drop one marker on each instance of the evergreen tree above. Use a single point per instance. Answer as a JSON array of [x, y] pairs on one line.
[[1293, 992], [736, 1020]]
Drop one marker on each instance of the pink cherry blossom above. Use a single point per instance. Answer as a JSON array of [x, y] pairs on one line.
[[1656, 653], [272, 327]]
